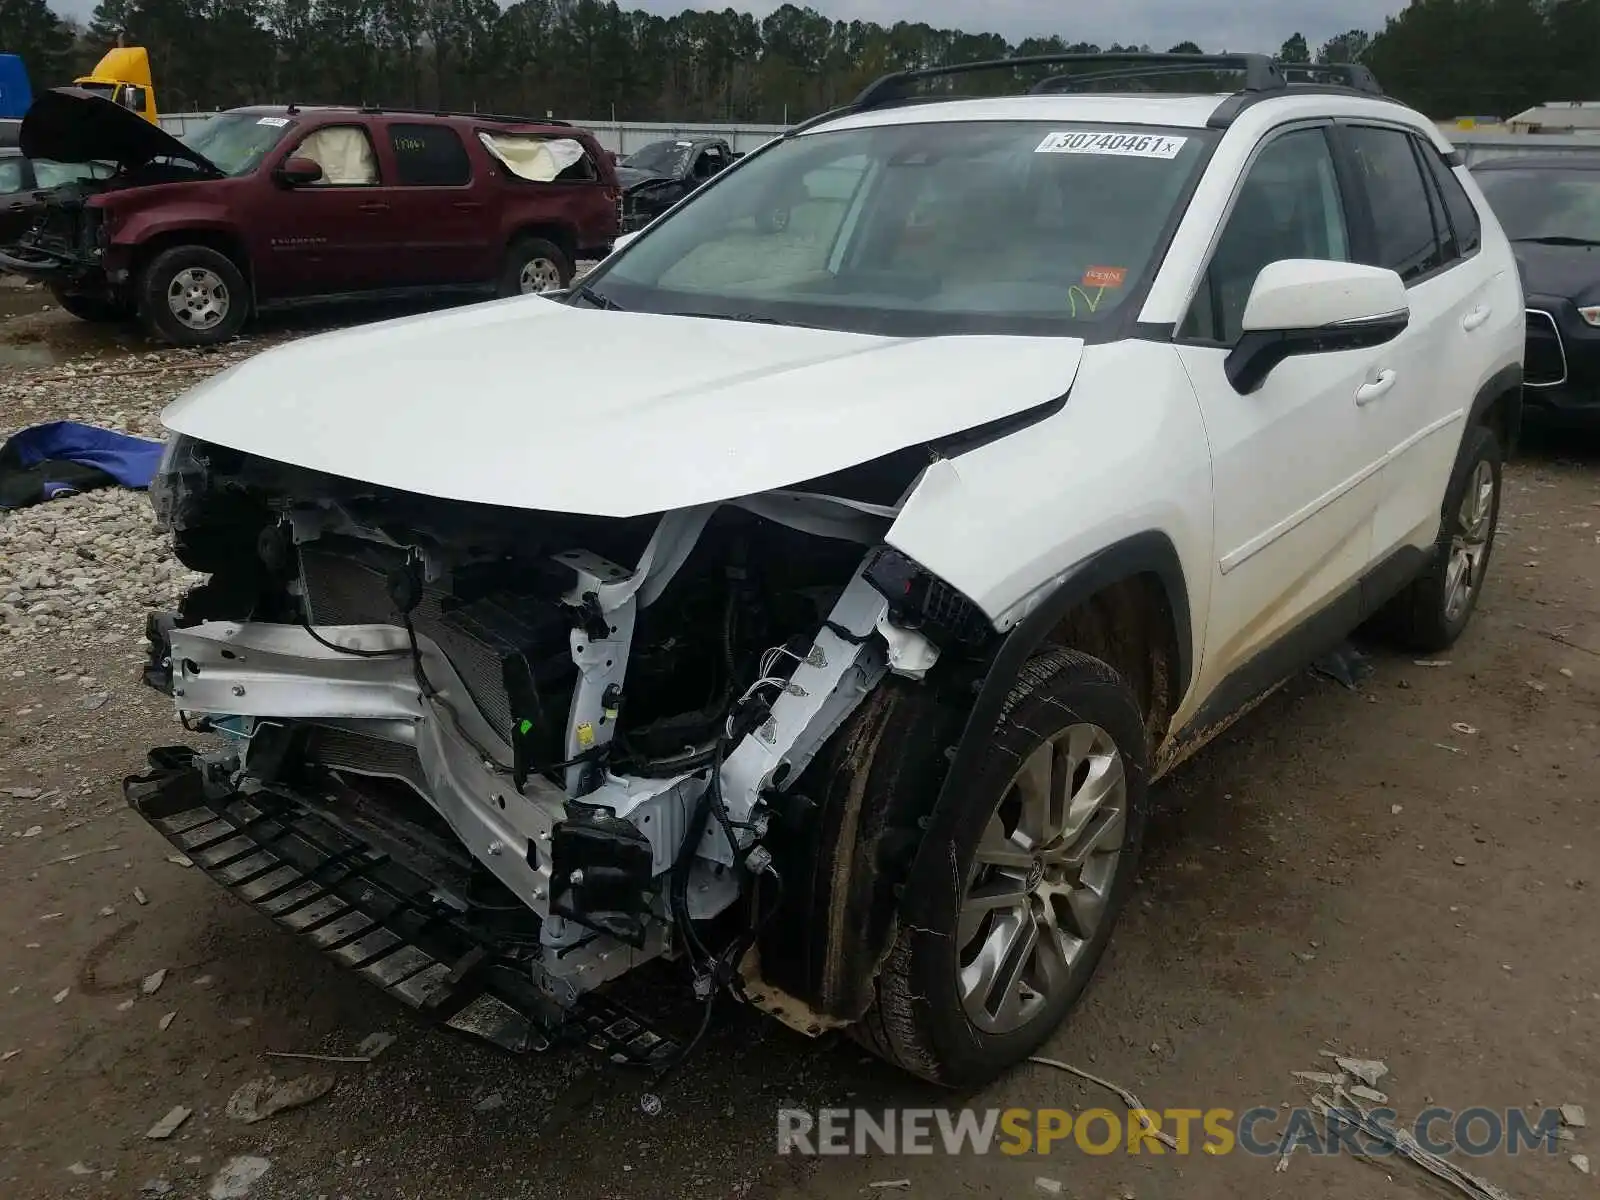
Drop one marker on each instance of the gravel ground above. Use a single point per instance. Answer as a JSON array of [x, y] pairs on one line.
[[1406, 872]]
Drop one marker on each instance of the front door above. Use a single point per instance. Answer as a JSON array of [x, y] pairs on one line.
[[1296, 462], [332, 237]]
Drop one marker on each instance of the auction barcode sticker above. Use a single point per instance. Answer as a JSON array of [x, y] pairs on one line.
[[1125, 145]]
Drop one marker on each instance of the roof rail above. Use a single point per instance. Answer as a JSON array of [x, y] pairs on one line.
[[1084, 81], [1351, 75], [493, 118], [1261, 73]]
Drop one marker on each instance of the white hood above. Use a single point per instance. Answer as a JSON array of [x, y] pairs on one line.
[[533, 404]]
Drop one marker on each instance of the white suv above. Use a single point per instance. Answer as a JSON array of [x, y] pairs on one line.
[[812, 595]]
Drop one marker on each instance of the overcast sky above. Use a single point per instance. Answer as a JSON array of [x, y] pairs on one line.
[[1214, 24]]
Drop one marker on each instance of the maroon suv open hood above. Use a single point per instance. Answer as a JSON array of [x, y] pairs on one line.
[[69, 124]]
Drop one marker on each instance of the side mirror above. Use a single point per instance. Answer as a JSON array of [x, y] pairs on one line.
[[298, 172], [1308, 306], [622, 240]]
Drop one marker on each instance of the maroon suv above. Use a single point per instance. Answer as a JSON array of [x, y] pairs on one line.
[[259, 208]]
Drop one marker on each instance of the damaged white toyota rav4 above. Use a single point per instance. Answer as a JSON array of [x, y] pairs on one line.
[[812, 595]]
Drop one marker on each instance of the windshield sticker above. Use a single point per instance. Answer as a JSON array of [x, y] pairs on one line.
[[1122, 145], [1105, 277], [274, 122]]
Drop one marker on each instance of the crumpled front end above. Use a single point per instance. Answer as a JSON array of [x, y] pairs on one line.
[[492, 758]]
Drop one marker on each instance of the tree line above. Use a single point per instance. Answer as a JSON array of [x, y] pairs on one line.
[[592, 58]]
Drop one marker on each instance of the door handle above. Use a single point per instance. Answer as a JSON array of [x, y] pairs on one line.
[[1368, 392], [469, 205], [1476, 317], [373, 206]]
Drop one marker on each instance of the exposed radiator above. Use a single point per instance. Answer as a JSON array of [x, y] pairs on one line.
[[486, 639], [343, 750]]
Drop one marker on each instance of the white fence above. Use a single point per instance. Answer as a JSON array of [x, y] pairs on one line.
[[1479, 147], [625, 137]]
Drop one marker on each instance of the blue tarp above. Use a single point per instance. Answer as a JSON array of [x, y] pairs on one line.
[[62, 457]]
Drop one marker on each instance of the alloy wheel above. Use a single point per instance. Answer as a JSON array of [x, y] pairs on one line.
[[1469, 543], [538, 275], [199, 298], [1041, 878]]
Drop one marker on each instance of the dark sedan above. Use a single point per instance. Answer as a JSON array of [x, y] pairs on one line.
[[1550, 209], [22, 182]]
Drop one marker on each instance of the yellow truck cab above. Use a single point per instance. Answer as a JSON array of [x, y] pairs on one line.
[[123, 76]]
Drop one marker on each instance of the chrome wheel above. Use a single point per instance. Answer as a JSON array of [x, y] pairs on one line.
[[538, 275], [1041, 878], [1469, 544], [198, 298]]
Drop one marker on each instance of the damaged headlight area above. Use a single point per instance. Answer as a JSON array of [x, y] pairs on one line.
[[492, 758]]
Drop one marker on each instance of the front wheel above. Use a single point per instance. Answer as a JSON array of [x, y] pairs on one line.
[[534, 265], [192, 296], [1435, 608], [996, 946]]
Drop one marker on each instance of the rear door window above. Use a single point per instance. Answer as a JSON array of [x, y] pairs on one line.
[[429, 156], [1464, 220], [1406, 241]]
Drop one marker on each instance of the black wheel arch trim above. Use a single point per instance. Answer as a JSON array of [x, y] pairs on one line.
[[1504, 384], [1150, 552]]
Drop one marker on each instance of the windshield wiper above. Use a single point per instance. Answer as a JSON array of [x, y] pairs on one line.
[[752, 318], [596, 299], [1560, 239]]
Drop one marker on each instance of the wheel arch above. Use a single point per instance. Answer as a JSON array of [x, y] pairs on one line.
[[870, 838], [562, 236], [224, 241], [1498, 405]]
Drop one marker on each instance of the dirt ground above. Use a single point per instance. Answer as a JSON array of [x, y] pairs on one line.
[[1405, 872]]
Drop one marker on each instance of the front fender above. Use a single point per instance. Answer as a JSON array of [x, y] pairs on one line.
[[138, 228]]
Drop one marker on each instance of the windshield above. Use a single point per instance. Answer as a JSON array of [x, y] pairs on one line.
[[108, 90], [663, 158], [236, 142], [916, 229], [1545, 204]]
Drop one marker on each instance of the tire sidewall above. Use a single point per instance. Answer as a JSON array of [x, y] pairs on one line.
[[524, 251], [968, 1055], [157, 277]]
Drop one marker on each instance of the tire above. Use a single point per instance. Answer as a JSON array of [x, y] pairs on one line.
[[534, 265], [1430, 614], [192, 296], [1073, 715], [94, 309]]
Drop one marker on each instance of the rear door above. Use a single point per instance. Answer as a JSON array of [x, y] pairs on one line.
[[331, 237], [447, 233], [1295, 463], [1439, 359]]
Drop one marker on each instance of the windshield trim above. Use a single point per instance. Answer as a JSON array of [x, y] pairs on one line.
[[1124, 323]]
